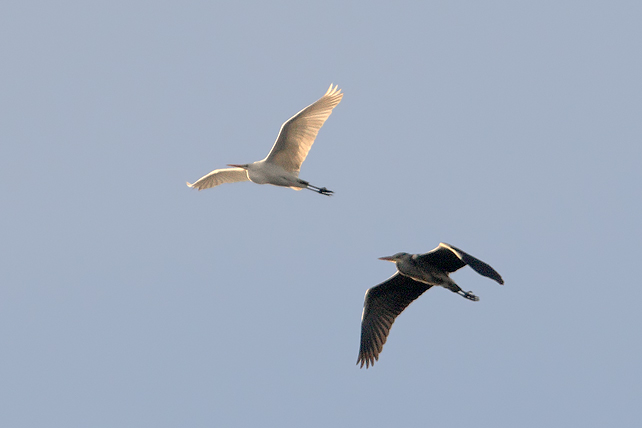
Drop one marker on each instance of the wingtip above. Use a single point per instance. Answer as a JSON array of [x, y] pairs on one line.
[[333, 90], [192, 186], [367, 361]]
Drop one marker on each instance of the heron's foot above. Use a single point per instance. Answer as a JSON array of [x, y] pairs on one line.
[[470, 296], [325, 191]]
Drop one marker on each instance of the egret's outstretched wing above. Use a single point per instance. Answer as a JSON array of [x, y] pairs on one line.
[[452, 258], [383, 303], [298, 133], [220, 176]]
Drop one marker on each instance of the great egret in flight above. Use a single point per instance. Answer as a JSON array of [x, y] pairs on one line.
[[416, 274], [281, 166]]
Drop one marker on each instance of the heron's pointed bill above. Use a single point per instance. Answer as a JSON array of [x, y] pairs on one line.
[[389, 258], [236, 166]]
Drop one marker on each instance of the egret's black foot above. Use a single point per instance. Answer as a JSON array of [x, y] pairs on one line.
[[325, 191]]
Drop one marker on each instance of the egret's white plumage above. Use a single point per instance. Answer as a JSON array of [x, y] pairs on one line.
[[416, 273], [220, 176], [281, 166]]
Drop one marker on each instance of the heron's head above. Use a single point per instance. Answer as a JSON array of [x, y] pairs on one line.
[[396, 258], [245, 166]]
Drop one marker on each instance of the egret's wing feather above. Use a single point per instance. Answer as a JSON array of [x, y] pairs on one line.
[[220, 176], [298, 133], [383, 303], [476, 264]]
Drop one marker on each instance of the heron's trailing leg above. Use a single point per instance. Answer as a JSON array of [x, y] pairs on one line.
[[321, 190], [456, 289], [468, 295]]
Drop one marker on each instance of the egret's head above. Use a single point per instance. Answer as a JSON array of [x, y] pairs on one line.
[[245, 166], [396, 258]]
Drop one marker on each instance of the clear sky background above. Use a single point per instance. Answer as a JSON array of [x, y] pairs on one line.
[[509, 129]]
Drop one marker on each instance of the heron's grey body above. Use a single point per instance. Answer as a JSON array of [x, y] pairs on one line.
[[416, 267], [408, 265], [282, 165], [416, 274]]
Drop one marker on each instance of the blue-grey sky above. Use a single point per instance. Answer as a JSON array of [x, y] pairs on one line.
[[509, 129]]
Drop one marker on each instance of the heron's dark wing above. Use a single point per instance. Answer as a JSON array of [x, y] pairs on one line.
[[477, 265], [220, 176], [383, 303], [298, 133], [442, 257]]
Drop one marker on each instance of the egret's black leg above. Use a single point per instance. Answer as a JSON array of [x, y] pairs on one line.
[[321, 190]]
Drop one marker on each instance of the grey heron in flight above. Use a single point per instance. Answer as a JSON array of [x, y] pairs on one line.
[[281, 166], [416, 273]]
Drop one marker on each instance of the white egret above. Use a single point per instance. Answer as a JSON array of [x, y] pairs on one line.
[[416, 274], [281, 166]]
